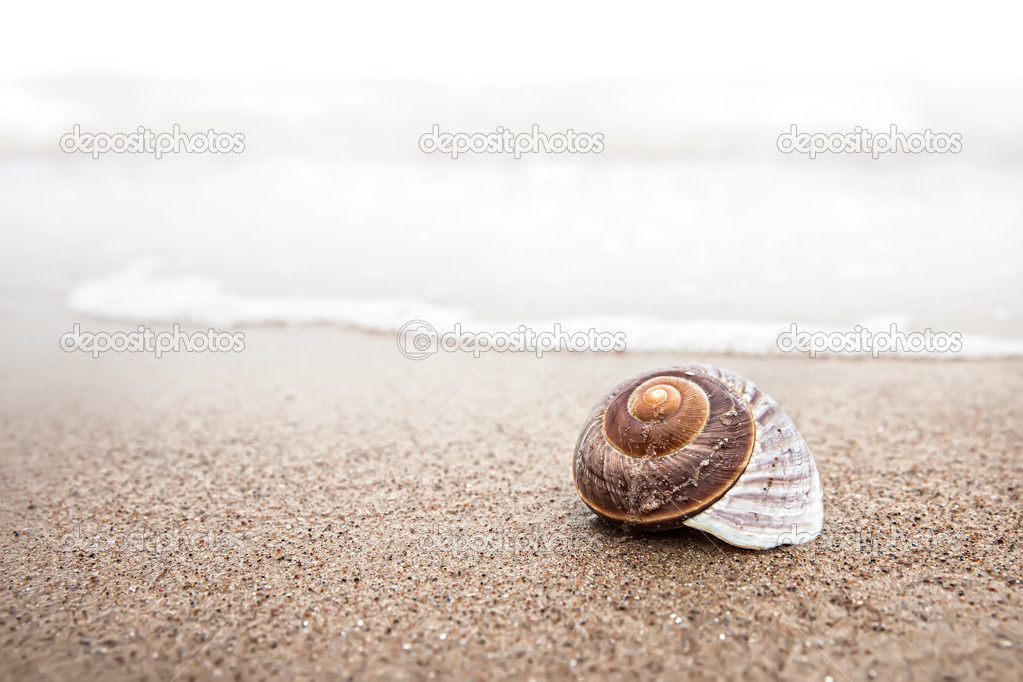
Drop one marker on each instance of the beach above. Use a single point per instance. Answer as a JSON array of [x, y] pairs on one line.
[[318, 506], [300, 327]]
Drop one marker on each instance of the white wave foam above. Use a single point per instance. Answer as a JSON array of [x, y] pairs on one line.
[[137, 294]]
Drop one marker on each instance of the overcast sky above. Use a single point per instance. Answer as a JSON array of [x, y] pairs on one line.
[[238, 39]]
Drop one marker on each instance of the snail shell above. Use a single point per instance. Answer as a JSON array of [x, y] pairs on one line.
[[703, 447]]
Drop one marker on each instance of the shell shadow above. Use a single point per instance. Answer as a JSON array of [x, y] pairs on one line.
[[669, 541]]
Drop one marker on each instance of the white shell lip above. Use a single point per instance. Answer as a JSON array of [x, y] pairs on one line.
[[778, 500]]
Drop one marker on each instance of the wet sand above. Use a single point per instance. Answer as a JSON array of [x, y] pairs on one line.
[[319, 507]]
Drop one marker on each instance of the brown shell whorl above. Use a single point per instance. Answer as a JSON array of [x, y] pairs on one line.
[[663, 446], [658, 417]]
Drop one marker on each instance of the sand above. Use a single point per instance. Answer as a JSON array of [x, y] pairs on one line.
[[319, 507]]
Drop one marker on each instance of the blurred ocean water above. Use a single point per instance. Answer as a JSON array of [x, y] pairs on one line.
[[690, 230]]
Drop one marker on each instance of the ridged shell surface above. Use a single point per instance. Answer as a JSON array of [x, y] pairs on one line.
[[778, 500], [738, 469]]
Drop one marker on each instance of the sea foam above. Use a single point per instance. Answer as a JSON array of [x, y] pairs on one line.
[[138, 294]]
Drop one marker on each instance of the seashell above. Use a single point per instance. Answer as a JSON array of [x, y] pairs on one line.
[[699, 446]]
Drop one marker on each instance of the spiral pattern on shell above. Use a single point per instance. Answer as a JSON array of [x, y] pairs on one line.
[[699, 446]]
